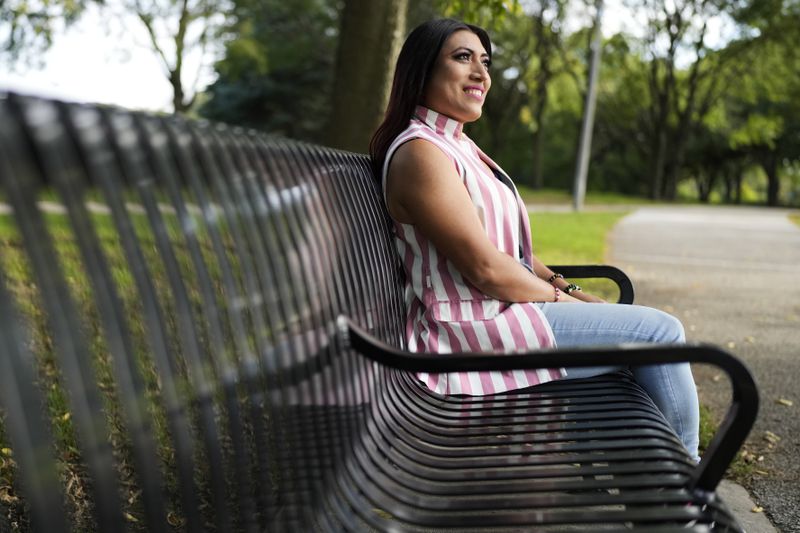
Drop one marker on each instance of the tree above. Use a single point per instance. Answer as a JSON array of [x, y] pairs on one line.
[[27, 27], [768, 107], [277, 72], [679, 98], [547, 20], [175, 29], [369, 40], [766, 117]]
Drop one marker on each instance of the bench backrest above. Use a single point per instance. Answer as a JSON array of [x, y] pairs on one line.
[[168, 296]]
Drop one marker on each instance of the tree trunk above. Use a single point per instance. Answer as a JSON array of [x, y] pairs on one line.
[[371, 34], [733, 185], [543, 51], [705, 184], [770, 165], [539, 107], [683, 131], [738, 190], [729, 183], [179, 106], [657, 163], [536, 149]]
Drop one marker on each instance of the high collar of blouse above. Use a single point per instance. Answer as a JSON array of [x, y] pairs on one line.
[[442, 124]]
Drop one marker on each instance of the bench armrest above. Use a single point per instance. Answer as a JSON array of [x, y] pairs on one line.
[[729, 437], [599, 271]]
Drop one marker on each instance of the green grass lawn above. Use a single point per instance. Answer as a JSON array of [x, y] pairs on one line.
[[795, 219], [560, 196], [576, 239], [15, 264]]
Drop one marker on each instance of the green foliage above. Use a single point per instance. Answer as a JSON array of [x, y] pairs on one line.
[[485, 13], [720, 118], [27, 26], [719, 114], [14, 262], [277, 71], [575, 239]]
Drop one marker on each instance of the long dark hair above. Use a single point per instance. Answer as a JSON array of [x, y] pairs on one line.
[[414, 66]]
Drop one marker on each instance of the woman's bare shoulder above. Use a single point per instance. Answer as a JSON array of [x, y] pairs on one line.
[[419, 160], [419, 171]]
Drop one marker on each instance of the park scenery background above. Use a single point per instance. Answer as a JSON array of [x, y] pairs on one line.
[[697, 100]]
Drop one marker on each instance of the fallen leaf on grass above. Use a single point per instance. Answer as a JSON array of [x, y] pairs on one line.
[[771, 437], [130, 517], [6, 451], [761, 472], [747, 457], [757, 509], [784, 401], [6, 495], [174, 520]]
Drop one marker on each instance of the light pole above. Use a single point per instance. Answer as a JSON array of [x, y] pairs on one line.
[[585, 147]]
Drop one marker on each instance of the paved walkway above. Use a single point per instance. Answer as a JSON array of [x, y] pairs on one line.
[[731, 274]]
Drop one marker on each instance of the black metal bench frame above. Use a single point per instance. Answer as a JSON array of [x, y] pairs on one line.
[[288, 402]]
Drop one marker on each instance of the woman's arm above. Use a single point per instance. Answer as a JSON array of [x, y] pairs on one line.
[[424, 189], [544, 273]]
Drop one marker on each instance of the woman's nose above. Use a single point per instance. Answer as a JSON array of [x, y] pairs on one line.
[[479, 72]]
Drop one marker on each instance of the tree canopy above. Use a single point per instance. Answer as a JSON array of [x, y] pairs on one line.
[[697, 99]]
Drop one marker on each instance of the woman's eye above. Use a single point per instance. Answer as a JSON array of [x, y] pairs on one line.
[[487, 63], [464, 56]]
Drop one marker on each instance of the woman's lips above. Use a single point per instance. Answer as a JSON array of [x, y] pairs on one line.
[[474, 92]]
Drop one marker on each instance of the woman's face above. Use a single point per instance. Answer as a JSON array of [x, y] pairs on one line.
[[460, 78]]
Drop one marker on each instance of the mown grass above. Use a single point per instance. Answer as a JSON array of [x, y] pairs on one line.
[[576, 239], [563, 197], [70, 464]]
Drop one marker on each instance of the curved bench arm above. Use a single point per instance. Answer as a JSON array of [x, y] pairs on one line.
[[600, 271], [728, 439]]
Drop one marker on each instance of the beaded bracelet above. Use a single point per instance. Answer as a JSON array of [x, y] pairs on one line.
[[555, 276], [557, 293], [571, 287]]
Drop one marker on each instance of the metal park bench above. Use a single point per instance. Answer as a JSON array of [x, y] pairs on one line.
[[201, 330]]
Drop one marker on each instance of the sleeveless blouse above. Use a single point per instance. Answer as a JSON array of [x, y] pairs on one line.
[[445, 312]]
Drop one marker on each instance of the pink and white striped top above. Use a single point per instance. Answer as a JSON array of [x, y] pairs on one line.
[[445, 313]]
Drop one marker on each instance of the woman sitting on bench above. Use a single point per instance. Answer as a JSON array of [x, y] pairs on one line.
[[463, 233]]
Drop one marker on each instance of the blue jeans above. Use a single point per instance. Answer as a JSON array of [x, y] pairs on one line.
[[671, 386]]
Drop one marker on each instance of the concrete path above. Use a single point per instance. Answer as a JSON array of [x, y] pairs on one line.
[[732, 275]]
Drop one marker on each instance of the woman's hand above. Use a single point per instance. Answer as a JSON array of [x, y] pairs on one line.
[[566, 298]]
